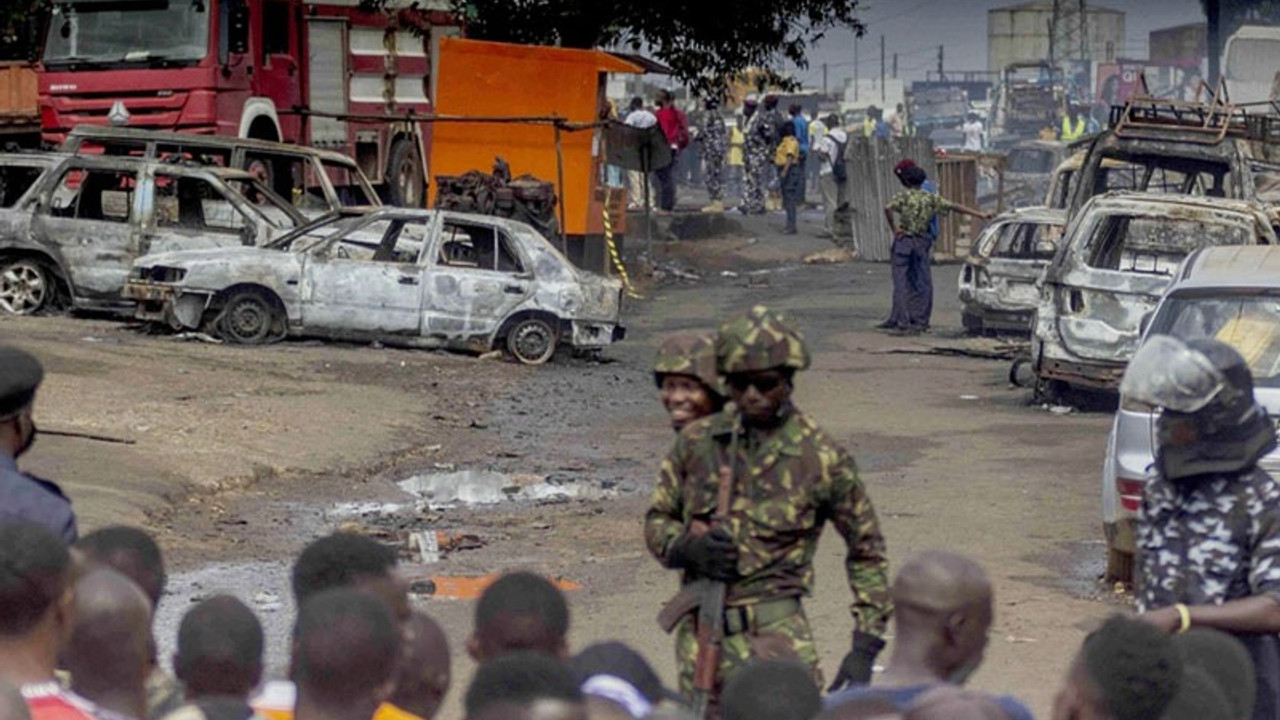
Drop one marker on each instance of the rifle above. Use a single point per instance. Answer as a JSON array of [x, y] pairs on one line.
[[708, 597]]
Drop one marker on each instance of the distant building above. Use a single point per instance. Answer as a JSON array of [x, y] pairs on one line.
[[1021, 33], [1178, 45]]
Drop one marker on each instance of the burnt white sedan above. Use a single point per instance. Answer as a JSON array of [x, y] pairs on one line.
[[417, 278]]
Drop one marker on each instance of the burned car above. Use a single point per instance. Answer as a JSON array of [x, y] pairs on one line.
[[315, 181], [998, 290], [69, 238], [1186, 148], [1028, 170], [417, 278], [1119, 254]]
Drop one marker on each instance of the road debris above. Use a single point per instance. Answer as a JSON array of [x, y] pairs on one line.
[[832, 256]]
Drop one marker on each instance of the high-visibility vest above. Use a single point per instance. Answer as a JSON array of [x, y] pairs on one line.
[[1068, 135]]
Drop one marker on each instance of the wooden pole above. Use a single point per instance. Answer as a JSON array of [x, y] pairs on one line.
[[564, 239]]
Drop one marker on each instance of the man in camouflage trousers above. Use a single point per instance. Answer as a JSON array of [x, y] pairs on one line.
[[789, 477], [760, 137], [715, 146]]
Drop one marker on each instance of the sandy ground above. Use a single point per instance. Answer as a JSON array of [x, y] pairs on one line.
[[237, 457]]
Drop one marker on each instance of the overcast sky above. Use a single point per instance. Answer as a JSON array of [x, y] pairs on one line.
[[915, 28]]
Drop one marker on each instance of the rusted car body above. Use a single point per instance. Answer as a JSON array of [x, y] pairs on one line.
[[316, 181], [1028, 170], [998, 290], [70, 237], [1188, 148], [1115, 175], [418, 278], [1119, 254]]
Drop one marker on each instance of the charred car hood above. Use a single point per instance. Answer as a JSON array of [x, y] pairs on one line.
[[186, 258]]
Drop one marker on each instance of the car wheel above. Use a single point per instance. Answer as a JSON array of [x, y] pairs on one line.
[[248, 318], [26, 287], [1119, 567], [532, 341]]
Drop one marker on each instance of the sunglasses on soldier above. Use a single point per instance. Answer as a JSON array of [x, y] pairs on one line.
[[763, 382]]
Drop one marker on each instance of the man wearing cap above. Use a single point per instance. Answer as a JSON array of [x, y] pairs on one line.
[[788, 478], [684, 370], [24, 497]]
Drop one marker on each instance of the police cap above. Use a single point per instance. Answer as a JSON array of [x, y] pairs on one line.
[[20, 375]]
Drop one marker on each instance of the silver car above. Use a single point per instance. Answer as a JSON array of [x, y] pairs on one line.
[[1231, 294], [998, 283], [1119, 255], [419, 278]]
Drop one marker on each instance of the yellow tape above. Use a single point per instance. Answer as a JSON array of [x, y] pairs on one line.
[[613, 248]]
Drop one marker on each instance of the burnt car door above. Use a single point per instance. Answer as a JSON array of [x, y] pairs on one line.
[[1117, 269], [477, 277], [367, 282], [88, 216], [188, 212]]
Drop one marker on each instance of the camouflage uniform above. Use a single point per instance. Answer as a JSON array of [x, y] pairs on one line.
[[1213, 541], [715, 145], [760, 136], [787, 484]]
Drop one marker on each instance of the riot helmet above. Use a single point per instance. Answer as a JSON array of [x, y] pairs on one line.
[[1210, 422]]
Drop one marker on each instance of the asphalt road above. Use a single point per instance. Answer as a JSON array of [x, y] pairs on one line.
[[237, 457]]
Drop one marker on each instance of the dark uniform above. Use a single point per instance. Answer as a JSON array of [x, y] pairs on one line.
[[787, 484], [759, 140], [1209, 527], [715, 146], [24, 497]]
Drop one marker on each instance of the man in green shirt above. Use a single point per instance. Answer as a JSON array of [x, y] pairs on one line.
[[909, 214]]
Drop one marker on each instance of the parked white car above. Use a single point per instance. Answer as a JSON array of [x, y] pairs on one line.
[[420, 278], [1231, 294]]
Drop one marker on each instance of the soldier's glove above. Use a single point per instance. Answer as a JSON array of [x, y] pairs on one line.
[[711, 554], [856, 667]]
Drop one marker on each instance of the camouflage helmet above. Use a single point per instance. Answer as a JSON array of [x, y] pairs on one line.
[[762, 339], [689, 354]]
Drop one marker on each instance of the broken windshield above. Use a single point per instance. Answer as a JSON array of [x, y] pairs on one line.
[[125, 31], [1156, 245], [1248, 322]]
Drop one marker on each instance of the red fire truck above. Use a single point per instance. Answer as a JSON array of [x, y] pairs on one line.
[[317, 72]]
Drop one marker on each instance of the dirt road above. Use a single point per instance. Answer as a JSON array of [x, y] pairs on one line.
[[240, 456]]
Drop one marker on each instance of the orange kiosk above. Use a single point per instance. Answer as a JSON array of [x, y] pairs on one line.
[[538, 108]]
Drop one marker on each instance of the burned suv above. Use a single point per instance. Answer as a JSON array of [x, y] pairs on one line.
[[1119, 254], [70, 236]]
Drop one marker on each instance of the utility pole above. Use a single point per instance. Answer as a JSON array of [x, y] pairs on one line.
[[1213, 41], [895, 66], [941, 74], [855, 68], [883, 97]]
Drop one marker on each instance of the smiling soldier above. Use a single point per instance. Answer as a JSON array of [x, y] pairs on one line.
[[742, 499], [685, 372]]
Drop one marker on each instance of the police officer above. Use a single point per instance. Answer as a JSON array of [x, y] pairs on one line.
[[789, 477], [1209, 527], [23, 496], [757, 142], [715, 147], [685, 373]]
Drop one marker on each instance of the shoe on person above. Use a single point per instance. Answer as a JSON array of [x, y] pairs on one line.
[[715, 206], [887, 325]]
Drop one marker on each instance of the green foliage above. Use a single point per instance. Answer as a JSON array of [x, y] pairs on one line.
[[707, 45], [20, 24]]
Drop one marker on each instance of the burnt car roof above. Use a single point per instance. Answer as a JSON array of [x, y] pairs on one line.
[[1035, 214], [37, 158], [115, 133], [1120, 198]]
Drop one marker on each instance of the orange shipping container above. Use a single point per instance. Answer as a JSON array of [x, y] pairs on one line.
[[485, 79]]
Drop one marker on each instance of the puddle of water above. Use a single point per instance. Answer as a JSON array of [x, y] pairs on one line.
[[483, 487]]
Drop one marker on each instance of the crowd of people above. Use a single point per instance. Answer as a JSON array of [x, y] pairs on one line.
[[744, 494]]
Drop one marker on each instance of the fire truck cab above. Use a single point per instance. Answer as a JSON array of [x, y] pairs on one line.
[[322, 73]]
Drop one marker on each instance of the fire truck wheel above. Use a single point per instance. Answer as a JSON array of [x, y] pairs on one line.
[[404, 175]]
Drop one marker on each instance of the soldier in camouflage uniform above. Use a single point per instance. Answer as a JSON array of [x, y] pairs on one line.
[[715, 146], [685, 373], [790, 477], [1209, 527]]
